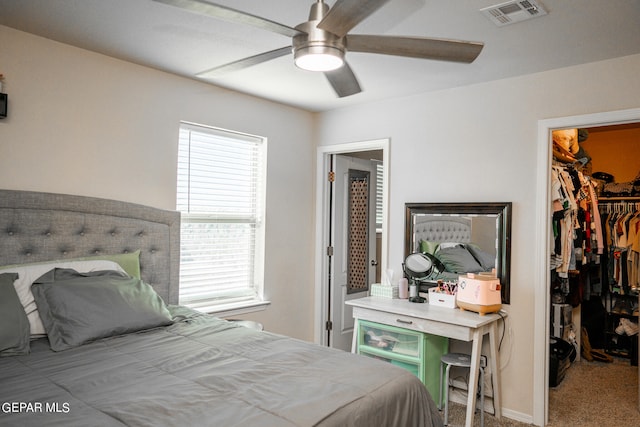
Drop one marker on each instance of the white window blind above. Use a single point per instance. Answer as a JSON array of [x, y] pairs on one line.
[[379, 187], [220, 193]]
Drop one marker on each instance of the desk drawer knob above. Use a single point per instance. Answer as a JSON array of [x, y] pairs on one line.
[[406, 322]]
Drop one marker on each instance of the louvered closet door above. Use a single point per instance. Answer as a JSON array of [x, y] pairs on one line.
[[354, 239]]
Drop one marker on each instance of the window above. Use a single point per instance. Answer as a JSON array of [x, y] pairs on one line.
[[220, 193], [379, 201]]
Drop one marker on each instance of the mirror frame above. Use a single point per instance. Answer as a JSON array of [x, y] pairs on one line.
[[503, 223]]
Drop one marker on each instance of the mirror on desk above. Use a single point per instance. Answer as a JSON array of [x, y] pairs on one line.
[[465, 237]]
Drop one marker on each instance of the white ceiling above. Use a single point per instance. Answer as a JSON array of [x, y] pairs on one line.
[[170, 39]]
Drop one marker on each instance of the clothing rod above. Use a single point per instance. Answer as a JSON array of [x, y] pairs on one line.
[[631, 199], [619, 206]]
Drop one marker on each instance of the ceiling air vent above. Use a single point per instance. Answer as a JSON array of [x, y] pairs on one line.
[[513, 11]]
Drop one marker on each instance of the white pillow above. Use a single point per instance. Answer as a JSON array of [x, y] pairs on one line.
[[28, 273], [445, 245]]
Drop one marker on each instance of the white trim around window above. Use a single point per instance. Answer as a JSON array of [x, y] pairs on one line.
[[221, 185]]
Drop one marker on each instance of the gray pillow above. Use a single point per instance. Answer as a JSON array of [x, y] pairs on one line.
[[485, 259], [458, 260], [14, 324], [80, 307]]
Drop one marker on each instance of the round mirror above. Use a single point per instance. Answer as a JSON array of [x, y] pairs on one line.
[[419, 266]]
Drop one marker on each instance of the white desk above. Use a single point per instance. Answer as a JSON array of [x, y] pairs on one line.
[[446, 322]]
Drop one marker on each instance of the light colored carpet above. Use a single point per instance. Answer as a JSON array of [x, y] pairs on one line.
[[592, 394]]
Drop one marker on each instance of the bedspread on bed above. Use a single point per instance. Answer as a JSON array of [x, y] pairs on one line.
[[203, 371]]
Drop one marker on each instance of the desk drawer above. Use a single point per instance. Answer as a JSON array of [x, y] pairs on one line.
[[387, 341], [414, 368], [414, 323]]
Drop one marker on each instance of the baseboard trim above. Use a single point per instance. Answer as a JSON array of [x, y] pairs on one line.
[[460, 396]]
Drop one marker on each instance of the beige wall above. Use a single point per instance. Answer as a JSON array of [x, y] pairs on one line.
[[479, 143], [83, 123]]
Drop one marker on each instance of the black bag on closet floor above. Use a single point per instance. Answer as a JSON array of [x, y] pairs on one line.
[[561, 354]]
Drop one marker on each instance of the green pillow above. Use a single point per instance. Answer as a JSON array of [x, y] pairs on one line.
[[130, 262], [14, 324], [427, 247]]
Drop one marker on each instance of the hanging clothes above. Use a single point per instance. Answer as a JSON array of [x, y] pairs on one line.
[[621, 220], [577, 235]]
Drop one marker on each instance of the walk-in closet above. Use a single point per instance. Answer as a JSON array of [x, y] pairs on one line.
[[595, 248]]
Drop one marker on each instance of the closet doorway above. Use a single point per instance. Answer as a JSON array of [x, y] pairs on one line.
[[599, 124]]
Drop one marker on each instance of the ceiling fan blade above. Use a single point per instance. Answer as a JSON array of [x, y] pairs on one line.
[[232, 15], [416, 47], [346, 14], [246, 62], [343, 81]]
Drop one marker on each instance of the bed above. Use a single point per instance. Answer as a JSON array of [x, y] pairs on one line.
[[99, 338], [449, 240]]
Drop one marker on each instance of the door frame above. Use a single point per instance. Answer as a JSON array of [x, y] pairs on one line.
[[323, 219], [542, 298]]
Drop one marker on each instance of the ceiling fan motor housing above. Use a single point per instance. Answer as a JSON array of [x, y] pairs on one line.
[[313, 40]]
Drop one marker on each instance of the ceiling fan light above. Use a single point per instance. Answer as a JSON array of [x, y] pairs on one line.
[[319, 58]]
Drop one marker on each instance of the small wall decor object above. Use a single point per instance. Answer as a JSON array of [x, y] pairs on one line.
[[3, 100]]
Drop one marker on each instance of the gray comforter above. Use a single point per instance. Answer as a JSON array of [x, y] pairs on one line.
[[203, 371]]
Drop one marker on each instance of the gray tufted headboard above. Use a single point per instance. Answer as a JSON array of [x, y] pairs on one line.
[[437, 229], [38, 227]]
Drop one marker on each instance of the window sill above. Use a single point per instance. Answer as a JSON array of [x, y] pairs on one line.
[[228, 310]]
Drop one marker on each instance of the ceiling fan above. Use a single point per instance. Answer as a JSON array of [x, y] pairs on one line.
[[321, 42]]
